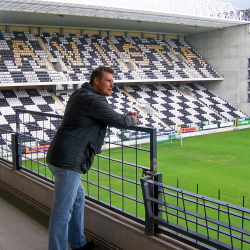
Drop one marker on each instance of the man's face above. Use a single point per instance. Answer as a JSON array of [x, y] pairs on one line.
[[104, 86]]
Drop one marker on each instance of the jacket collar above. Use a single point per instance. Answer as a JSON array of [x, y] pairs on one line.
[[86, 85]]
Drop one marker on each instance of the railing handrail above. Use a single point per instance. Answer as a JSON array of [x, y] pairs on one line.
[[134, 127], [202, 197], [153, 193], [18, 110], [150, 130]]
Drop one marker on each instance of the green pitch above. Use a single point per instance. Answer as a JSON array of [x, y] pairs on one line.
[[214, 161]]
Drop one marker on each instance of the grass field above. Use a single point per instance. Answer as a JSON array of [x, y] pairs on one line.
[[215, 161]]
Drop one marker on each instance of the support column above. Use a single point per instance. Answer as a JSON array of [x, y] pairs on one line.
[[61, 31], [7, 28], [31, 30], [108, 34], [101, 33], [40, 31]]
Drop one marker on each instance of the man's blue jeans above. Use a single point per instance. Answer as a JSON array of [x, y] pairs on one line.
[[66, 219]]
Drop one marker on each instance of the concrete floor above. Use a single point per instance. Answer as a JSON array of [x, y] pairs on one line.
[[22, 227]]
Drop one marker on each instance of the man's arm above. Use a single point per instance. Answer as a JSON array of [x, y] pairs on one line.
[[101, 111]]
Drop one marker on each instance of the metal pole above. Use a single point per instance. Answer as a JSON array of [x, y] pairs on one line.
[[153, 151], [16, 144], [14, 151], [147, 190], [158, 192]]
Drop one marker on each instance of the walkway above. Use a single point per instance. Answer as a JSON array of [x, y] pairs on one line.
[[22, 227]]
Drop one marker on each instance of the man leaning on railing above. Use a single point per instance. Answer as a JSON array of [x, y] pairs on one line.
[[72, 151]]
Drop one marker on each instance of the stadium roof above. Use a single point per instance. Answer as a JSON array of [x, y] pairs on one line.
[[172, 16]]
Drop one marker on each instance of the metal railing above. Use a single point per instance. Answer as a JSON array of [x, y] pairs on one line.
[[114, 179], [124, 179], [196, 219], [6, 142]]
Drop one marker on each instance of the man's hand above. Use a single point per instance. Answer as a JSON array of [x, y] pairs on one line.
[[135, 115]]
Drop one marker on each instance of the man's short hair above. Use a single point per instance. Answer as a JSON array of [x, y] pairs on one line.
[[98, 72]]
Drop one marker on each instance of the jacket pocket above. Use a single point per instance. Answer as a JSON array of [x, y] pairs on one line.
[[89, 157]]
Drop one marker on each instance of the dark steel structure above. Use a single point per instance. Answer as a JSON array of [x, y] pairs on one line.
[[119, 182], [193, 218], [29, 154]]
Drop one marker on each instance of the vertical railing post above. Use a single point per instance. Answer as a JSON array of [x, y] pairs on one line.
[[14, 151], [151, 208], [151, 190], [16, 145], [158, 192], [147, 190], [153, 151]]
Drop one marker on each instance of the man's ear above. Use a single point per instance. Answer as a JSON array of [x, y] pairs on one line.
[[96, 81]]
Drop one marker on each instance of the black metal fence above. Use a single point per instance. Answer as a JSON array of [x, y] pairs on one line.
[[124, 179], [114, 179], [193, 218]]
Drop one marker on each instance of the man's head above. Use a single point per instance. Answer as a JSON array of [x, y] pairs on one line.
[[101, 80]]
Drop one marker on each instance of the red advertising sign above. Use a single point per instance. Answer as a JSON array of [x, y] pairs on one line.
[[191, 129], [37, 148]]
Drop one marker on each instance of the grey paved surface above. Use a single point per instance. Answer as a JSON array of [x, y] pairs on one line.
[[21, 226]]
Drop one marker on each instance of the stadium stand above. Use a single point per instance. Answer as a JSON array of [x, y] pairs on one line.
[[30, 99], [23, 59]]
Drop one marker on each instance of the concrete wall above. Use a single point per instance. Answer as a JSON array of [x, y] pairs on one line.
[[228, 51]]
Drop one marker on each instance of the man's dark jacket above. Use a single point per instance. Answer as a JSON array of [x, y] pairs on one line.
[[83, 129]]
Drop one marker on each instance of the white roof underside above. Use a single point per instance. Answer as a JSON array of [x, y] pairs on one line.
[[197, 8], [141, 15]]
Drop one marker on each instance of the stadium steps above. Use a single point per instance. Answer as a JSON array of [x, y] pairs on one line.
[[124, 66], [172, 54], [49, 65], [138, 107], [61, 62], [64, 68], [60, 112], [187, 69], [192, 72], [63, 76], [185, 91], [43, 46]]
